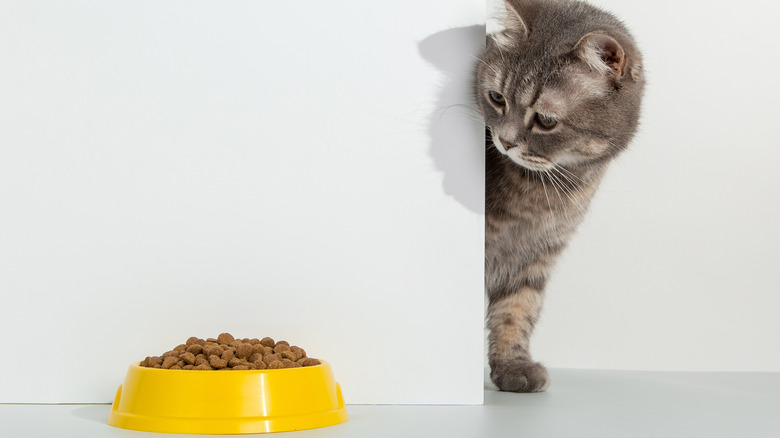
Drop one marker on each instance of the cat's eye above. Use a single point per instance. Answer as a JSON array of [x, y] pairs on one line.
[[497, 98], [545, 122]]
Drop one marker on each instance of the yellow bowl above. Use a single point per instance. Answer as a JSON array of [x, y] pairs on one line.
[[227, 402]]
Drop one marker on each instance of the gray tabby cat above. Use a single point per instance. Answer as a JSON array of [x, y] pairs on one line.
[[560, 91]]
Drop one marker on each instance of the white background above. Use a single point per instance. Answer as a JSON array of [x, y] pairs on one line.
[[676, 266], [168, 171], [175, 169]]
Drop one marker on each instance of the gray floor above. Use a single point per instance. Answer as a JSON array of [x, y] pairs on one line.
[[579, 404]]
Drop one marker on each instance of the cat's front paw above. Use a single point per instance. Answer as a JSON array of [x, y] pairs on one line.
[[519, 376]]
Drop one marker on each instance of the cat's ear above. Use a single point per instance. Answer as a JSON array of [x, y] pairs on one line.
[[602, 54], [520, 13]]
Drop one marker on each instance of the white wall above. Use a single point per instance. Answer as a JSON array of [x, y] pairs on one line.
[[170, 169], [173, 169], [675, 267]]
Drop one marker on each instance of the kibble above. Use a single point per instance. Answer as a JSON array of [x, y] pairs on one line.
[[244, 350], [213, 350], [309, 361], [225, 338], [298, 351], [227, 355], [268, 358], [289, 363], [188, 358], [169, 361], [217, 362], [226, 352], [287, 354]]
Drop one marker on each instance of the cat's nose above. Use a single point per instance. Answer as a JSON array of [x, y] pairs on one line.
[[507, 144]]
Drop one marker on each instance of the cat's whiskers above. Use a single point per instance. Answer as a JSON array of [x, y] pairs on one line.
[[487, 65], [575, 190], [556, 184], [471, 117], [549, 205], [572, 185], [468, 108], [501, 52], [470, 114], [569, 192], [567, 171]]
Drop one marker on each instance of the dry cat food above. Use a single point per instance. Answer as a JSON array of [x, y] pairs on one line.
[[228, 353]]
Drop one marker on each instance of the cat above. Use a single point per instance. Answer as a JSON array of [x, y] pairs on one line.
[[560, 90]]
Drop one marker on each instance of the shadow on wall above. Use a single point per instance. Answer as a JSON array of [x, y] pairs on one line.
[[456, 128]]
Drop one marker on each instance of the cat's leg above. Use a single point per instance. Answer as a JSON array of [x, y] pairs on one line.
[[511, 318]]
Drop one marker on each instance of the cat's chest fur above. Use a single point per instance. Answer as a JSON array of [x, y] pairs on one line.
[[528, 216]]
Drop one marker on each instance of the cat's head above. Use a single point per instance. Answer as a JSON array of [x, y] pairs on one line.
[[561, 85]]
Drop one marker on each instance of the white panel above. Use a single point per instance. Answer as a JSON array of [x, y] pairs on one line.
[[170, 169]]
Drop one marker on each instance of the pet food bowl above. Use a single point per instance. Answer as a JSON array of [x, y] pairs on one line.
[[227, 401]]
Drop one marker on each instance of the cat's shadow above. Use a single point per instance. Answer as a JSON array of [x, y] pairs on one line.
[[456, 128]]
